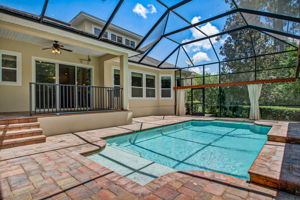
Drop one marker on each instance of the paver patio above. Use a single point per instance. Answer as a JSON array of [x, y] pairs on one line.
[[57, 170]]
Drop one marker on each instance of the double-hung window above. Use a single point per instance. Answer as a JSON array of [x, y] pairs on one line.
[[150, 86], [97, 31], [136, 85], [10, 68], [117, 80], [113, 37], [119, 39], [165, 84], [132, 44]]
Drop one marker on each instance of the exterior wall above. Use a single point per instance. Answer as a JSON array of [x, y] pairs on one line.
[[87, 26], [16, 98], [65, 124], [144, 106]]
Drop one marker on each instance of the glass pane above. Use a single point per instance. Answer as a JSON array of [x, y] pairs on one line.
[[9, 75], [66, 74], [150, 81], [84, 76], [78, 11], [45, 72], [137, 92], [171, 61], [165, 82], [150, 92], [282, 7], [204, 9], [30, 6], [138, 16], [161, 51], [273, 23], [9, 61], [166, 93], [117, 77], [136, 79]]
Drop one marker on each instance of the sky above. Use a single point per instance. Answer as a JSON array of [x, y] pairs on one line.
[[139, 16]]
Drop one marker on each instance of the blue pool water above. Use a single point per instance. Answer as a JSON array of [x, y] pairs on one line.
[[224, 147]]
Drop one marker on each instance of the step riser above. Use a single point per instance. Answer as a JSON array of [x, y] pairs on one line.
[[10, 144], [18, 121], [20, 135], [13, 127]]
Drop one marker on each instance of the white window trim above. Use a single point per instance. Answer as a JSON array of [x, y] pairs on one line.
[[18, 68], [113, 77], [57, 62], [160, 89], [144, 85]]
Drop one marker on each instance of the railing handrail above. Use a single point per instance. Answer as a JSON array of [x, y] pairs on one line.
[[59, 84], [57, 98]]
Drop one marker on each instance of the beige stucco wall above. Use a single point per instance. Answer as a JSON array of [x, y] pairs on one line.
[[65, 124], [16, 98], [144, 106]]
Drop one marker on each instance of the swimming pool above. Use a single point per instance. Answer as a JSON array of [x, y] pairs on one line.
[[225, 147]]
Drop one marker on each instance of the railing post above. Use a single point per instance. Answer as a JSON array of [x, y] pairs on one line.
[[30, 99]]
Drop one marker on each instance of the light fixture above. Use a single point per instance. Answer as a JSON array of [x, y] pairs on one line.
[[56, 51]]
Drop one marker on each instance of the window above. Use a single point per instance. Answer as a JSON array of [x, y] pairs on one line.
[[117, 78], [136, 84], [105, 34], [113, 37], [97, 31], [150, 86], [10, 68], [132, 44], [119, 39], [127, 42], [166, 90]]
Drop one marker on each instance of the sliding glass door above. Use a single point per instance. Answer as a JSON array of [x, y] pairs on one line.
[[65, 84]]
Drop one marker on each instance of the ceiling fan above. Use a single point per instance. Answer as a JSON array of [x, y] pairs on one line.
[[56, 48]]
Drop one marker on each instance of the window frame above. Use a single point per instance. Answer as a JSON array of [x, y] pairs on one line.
[[121, 39], [144, 85], [113, 76], [132, 42], [113, 35], [160, 86], [155, 85], [18, 68], [57, 62]]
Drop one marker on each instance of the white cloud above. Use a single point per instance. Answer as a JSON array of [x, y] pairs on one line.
[[152, 8], [196, 19], [143, 11], [208, 29], [200, 56]]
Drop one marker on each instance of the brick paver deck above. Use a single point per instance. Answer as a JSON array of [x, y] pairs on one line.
[[57, 170]]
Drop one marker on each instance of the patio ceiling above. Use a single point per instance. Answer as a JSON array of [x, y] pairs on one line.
[[181, 34]]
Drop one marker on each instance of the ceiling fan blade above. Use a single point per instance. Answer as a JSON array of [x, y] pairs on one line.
[[66, 49], [46, 48]]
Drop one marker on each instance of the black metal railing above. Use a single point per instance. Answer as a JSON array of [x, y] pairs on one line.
[[60, 98]]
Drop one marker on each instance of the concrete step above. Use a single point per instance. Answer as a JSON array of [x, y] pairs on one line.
[[18, 120], [286, 133], [22, 141], [13, 134], [20, 126], [278, 166]]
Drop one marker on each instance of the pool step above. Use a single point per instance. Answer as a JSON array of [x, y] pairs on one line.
[[132, 166], [20, 131], [285, 132], [278, 166]]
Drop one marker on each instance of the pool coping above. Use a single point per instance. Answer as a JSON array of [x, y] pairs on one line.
[[258, 174]]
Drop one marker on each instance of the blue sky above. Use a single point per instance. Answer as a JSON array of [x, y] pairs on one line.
[[139, 16]]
